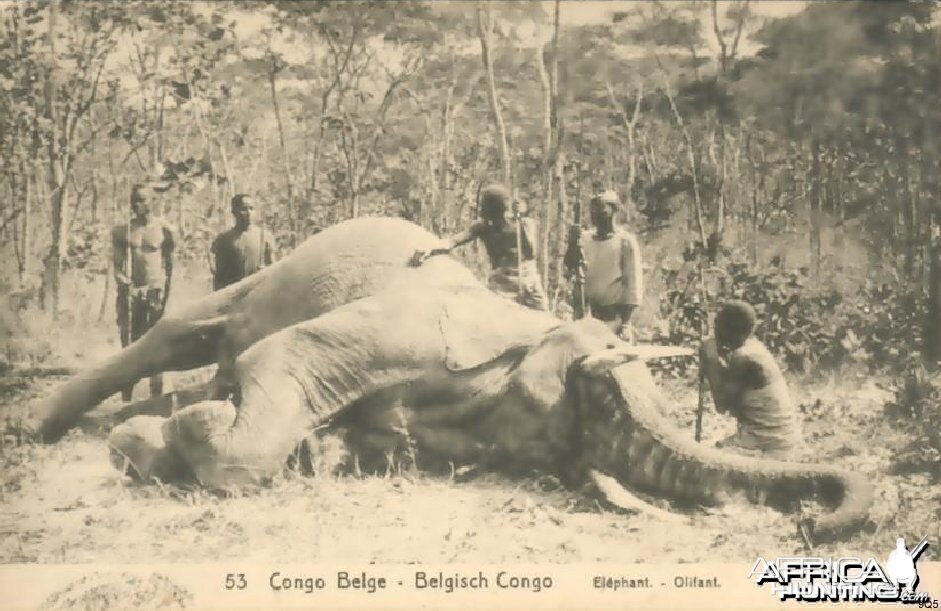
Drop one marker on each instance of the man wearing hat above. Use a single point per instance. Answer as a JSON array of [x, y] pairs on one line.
[[614, 279], [143, 268], [510, 244], [747, 383], [242, 250]]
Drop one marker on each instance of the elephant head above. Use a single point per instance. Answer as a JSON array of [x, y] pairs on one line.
[[623, 431]]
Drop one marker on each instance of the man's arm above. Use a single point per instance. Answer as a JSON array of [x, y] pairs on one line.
[[119, 253], [458, 239], [268, 255], [169, 244], [632, 272], [468, 235], [218, 263], [724, 378], [529, 234]]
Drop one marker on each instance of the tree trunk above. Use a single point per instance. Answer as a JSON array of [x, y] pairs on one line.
[[285, 159], [562, 216], [932, 348], [484, 35], [444, 166], [723, 175], [56, 178], [630, 126], [58, 192], [548, 64], [932, 168], [161, 97], [690, 153], [815, 197], [907, 203], [26, 247], [758, 187], [230, 188]]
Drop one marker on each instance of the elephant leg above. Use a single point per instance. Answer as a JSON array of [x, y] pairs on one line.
[[441, 445], [163, 405], [225, 383], [137, 448], [321, 454], [205, 436], [173, 344], [375, 431]]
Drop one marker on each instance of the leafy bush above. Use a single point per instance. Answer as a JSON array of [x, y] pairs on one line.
[[917, 403], [805, 326]]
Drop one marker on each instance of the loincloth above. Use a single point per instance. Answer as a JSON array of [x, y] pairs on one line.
[[524, 288]]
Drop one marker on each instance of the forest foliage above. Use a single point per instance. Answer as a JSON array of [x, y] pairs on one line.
[[791, 160]]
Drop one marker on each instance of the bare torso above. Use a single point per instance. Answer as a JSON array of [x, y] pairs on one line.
[[240, 253], [143, 248], [501, 242]]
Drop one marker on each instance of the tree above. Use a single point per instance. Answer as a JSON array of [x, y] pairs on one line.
[[73, 54], [932, 161], [485, 32]]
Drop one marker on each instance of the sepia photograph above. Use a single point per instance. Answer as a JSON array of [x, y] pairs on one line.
[[469, 304]]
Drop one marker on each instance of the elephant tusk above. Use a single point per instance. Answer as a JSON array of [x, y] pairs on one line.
[[618, 495], [598, 362]]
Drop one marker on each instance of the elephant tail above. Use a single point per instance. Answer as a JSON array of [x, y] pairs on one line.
[[645, 450]]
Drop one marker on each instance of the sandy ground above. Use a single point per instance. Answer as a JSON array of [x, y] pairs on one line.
[[66, 504]]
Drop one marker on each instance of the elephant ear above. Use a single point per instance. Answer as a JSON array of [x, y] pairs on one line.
[[478, 331]]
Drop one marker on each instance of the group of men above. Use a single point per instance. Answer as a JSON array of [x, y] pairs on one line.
[[744, 379], [143, 264], [611, 256]]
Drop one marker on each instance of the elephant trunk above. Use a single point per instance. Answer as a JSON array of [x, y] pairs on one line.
[[172, 344], [623, 418], [59, 412]]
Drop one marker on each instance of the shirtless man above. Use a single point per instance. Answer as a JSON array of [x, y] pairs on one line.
[[143, 268], [242, 250], [512, 276], [747, 383], [614, 279]]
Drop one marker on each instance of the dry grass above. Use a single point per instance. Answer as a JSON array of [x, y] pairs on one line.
[[66, 504]]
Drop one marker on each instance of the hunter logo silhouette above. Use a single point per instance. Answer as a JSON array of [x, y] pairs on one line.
[[846, 578], [900, 567]]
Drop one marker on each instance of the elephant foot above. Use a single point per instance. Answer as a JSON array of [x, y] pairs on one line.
[[220, 455], [321, 455], [138, 449]]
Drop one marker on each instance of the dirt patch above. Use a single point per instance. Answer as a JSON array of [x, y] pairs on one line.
[[120, 591]]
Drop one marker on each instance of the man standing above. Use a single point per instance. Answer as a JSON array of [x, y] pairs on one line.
[[511, 246], [242, 250], [613, 273], [143, 268]]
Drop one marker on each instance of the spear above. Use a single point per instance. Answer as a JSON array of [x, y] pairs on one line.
[[703, 334], [918, 549], [519, 251], [129, 268], [574, 255]]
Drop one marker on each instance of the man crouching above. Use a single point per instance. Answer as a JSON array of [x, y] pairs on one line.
[[746, 383]]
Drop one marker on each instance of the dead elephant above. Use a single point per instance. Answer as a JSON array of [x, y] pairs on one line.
[[428, 356]]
